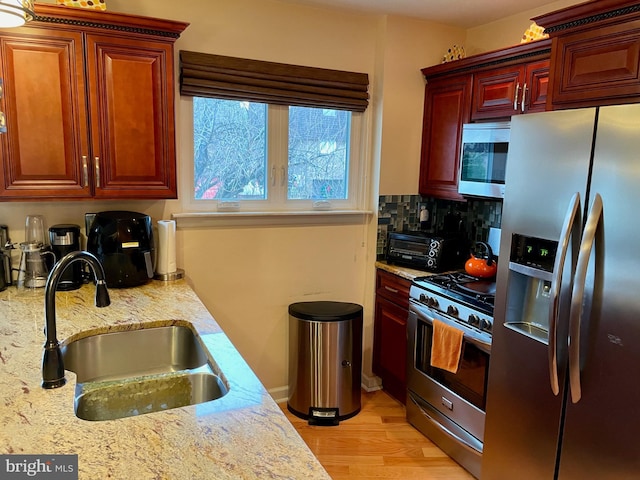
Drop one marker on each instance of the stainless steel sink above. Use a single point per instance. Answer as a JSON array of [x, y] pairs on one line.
[[110, 400], [122, 374], [133, 353]]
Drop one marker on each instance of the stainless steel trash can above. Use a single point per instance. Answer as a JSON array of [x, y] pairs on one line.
[[325, 361]]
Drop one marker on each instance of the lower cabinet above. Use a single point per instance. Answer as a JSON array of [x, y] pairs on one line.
[[390, 333]]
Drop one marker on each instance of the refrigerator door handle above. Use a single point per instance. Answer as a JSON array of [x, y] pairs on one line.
[[577, 296], [568, 227]]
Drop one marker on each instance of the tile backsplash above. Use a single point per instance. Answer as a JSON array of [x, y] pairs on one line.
[[402, 213]]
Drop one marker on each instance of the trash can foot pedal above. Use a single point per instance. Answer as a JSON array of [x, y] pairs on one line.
[[323, 416]]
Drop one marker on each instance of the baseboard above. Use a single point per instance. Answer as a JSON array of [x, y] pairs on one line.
[[371, 383], [368, 384], [279, 394]]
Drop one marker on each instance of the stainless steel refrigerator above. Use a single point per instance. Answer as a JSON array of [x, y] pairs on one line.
[[564, 381]]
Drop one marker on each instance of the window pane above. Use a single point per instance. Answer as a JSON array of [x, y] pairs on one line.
[[318, 153], [230, 149]]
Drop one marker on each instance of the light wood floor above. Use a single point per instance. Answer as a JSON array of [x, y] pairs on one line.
[[377, 443]]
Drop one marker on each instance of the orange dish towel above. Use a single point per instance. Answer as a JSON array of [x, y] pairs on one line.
[[446, 346]]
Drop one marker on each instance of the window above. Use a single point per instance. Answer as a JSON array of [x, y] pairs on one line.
[[274, 137], [257, 157]]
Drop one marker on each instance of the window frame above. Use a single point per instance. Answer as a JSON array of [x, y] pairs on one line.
[[277, 204]]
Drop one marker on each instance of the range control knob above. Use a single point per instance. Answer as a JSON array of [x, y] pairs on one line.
[[485, 325], [474, 320], [423, 298], [433, 302], [452, 310]]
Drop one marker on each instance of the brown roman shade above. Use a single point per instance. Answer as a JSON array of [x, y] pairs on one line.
[[217, 76]]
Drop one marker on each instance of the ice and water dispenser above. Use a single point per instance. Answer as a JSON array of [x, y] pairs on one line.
[[529, 293]]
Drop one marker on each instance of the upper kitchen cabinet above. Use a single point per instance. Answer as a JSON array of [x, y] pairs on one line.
[[595, 55], [446, 109], [494, 85], [510, 91], [88, 99]]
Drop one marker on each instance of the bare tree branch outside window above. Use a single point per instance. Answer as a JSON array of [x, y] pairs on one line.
[[230, 148], [230, 139]]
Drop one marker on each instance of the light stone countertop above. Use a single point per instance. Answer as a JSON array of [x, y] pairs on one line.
[[243, 435], [404, 272]]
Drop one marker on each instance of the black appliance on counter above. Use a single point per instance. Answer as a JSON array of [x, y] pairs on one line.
[[449, 408], [427, 251], [64, 239], [123, 242]]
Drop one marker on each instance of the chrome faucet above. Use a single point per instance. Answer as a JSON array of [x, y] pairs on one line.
[[52, 362]]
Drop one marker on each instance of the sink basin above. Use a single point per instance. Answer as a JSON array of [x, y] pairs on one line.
[[134, 353], [107, 401], [123, 374]]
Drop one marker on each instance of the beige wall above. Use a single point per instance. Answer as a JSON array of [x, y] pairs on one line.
[[246, 276], [507, 31], [409, 45]]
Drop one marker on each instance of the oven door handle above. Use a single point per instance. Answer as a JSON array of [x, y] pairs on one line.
[[422, 314], [444, 429]]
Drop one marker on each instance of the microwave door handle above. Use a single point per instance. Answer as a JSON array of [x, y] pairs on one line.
[[568, 228], [577, 296]]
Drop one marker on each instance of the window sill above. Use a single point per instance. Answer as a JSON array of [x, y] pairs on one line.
[[224, 219]]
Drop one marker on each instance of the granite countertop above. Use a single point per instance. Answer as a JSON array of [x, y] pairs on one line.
[[404, 272], [243, 435]]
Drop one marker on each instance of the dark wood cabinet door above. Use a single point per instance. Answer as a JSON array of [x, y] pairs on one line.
[[44, 150], [497, 93], [132, 99], [390, 332], [537, 85], [597, 67], [510, 91], [390, 347], [447, 107]]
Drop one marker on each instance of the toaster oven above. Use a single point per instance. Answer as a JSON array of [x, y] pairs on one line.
[[424, 251]]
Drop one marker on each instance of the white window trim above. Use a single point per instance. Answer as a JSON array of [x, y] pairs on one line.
[[286, 212]]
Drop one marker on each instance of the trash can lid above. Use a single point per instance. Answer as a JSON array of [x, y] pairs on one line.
[[323, 311]]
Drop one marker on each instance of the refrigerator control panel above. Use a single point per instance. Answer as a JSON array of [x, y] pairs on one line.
[[533, 252]]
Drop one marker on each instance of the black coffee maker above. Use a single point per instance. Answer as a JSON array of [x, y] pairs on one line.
[[65, 238], [123, 242]]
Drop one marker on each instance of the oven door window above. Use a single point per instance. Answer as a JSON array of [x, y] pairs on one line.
[[484, 162], [470, 382]]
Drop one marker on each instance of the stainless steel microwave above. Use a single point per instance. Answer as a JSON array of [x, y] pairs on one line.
[[483, 159]]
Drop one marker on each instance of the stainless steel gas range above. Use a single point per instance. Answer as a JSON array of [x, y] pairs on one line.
[[449, 408]]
